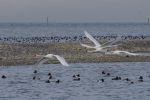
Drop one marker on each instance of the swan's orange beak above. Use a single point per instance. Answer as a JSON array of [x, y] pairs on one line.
[[34, 55], [103, 53]]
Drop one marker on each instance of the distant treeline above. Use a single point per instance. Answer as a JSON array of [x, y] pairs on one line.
[[63, 39]]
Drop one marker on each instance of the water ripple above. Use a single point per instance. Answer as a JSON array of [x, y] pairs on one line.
[[20, 85]]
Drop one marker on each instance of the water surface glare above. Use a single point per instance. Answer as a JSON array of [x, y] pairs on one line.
[[19, 83]]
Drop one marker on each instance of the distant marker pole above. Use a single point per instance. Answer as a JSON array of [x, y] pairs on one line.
[[47, 20], [148, 20]]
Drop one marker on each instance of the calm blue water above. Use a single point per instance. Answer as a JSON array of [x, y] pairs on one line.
[[19, 84], [71, 29]]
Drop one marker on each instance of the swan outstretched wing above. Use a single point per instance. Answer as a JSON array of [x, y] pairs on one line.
[[92, 39], [87, 46], [127, 53], [62, 60], [111, 42], [108, 43], [130, 53], [41, 61], [108, 47]]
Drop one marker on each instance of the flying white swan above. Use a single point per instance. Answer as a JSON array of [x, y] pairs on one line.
[[100, 48], [51, 57], [120, 53]]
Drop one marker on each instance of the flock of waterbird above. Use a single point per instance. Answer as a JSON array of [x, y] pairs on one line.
[[77, 78], [51, 77], [104, 49], [119, 78], [64, 38]]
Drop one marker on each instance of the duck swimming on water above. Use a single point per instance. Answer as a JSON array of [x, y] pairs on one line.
[[3, 76], [101, 80]]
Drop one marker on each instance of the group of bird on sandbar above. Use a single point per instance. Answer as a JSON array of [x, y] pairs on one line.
[[104, 49]]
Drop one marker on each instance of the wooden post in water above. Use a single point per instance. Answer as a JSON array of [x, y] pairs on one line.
[[148, 20], [47, 20]]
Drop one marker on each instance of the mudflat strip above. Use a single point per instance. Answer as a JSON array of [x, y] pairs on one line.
[[23, 53]]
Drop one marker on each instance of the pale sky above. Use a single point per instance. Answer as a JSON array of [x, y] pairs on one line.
[[66, 11]]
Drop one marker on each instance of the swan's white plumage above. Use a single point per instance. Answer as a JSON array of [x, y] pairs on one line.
[[62, 60], [92, 39], [120, 53], [100, 48], [41, 61], [53, 58], [87, 46]]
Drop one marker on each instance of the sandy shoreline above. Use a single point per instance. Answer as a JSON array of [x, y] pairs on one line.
[[13, 54]]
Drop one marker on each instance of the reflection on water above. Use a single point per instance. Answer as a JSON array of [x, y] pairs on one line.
[[19, 83]]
